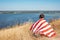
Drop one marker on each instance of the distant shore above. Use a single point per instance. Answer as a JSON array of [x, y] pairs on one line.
[[14, 12]]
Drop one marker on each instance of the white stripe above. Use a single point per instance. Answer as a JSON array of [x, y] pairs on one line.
[[35, 24], [48, 31], [45, 28], [38, 25], [43, 25], [51, 34]]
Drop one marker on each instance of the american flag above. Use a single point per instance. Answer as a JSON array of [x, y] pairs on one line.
[[42, 27]]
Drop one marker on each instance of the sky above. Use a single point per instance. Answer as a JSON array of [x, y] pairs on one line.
[[29, 5]]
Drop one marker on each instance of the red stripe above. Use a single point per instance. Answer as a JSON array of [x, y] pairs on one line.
[[46, 30], [44, 27], [40, 26], [49, 32], [33, 24], [37, 23], [53, 35], [31, 27]]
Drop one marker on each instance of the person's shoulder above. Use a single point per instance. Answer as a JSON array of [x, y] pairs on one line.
[[44, 20], [47, 22]]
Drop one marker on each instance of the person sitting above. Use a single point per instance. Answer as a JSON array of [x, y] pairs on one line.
[[42, 27]]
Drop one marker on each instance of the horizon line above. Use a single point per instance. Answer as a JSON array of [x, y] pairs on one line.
[[29, 10]]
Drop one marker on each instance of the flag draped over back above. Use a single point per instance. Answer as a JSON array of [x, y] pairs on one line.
[[42, 27]]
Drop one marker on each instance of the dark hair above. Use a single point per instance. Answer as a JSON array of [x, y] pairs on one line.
[[41, 15]]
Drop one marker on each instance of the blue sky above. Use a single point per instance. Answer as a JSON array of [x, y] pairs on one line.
[[29, 4]]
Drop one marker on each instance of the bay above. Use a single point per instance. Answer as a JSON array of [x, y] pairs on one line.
[[12, 19]]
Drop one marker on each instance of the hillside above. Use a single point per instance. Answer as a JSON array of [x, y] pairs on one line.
[[23, 33]]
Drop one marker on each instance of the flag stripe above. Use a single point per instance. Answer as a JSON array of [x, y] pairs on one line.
[[41, 24], [34, 25], [51, 34], [48, 31], [31, 27], [38, 25], [46, 28], [42, 27]]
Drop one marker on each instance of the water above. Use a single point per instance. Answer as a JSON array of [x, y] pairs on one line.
[[13, 19]]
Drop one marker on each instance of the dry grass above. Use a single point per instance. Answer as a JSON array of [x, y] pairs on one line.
[[23, 32]]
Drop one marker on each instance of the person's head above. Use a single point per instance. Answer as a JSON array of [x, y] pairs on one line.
[[41, 15]]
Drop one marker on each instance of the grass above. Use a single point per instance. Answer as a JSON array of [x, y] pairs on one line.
[[22, 32]]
